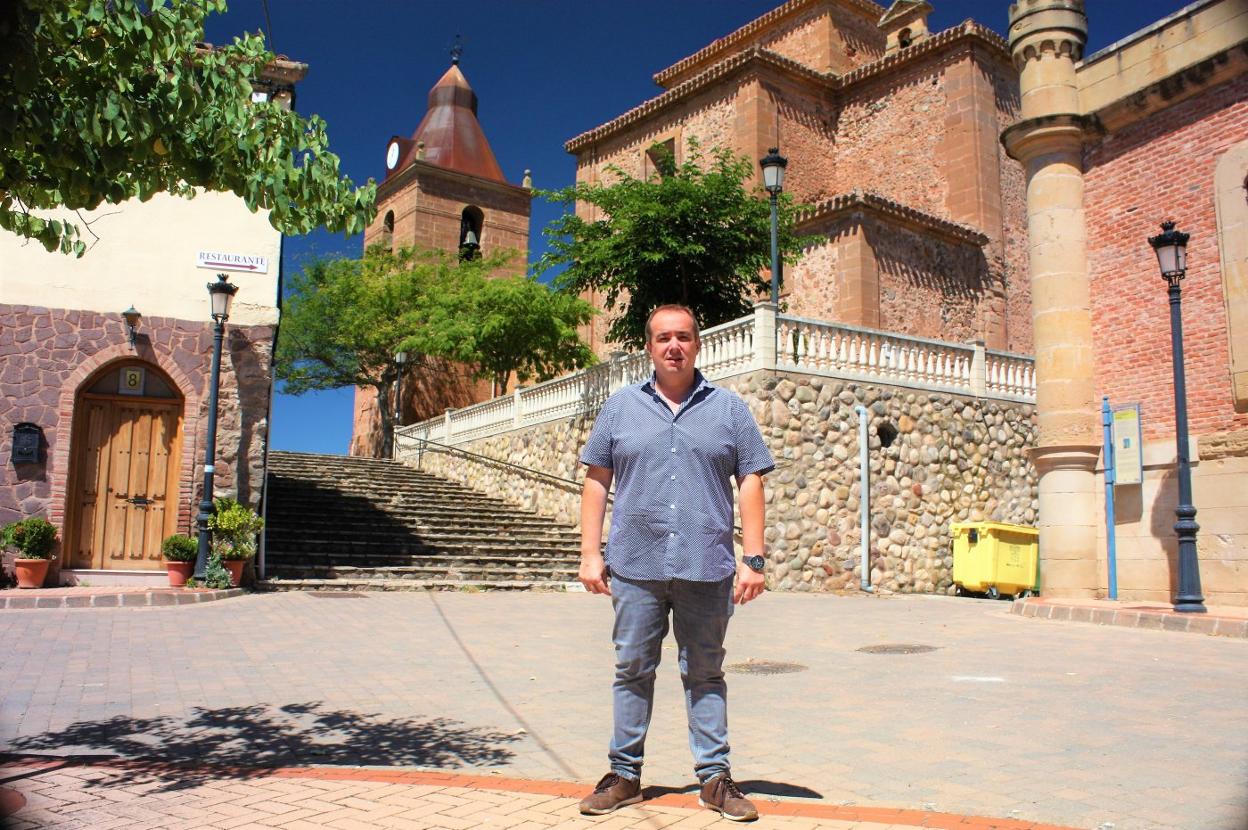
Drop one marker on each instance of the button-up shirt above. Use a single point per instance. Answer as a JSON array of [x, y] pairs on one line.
[[672, 516]]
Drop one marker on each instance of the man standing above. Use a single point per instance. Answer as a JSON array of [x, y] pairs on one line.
[[672, 444]]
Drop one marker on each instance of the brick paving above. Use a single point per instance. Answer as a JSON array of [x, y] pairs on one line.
[[91, 795], [1031, 721], [1224, 621], [109, 596]]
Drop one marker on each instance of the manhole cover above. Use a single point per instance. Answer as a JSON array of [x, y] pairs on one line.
[[335, 594], [764, 667], [897, 648]]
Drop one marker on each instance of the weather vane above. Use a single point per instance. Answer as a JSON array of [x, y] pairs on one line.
[[457, 50]]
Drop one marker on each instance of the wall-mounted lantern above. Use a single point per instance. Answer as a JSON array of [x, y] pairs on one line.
[[132, 317]]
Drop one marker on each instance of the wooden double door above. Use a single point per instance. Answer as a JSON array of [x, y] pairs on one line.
[[123, 495]]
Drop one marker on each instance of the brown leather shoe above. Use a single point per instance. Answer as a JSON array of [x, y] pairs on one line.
[[611, 793], [721, 794]]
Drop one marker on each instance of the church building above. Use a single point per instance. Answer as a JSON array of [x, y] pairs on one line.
[[890, 131]]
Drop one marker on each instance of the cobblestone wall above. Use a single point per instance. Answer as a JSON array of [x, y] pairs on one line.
[[951, 458]]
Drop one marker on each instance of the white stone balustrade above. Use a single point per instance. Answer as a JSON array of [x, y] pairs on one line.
[[801, 345]]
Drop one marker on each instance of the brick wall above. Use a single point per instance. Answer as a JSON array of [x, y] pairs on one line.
[[428, 208], [1160, 168]]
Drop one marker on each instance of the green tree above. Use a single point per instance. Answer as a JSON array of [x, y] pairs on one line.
[[506, 325], [107, 100], [345, 319], [690, 233]]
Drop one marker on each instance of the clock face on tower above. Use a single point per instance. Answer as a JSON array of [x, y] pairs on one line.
[[392, 155]]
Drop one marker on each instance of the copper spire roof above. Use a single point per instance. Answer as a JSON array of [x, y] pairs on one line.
[[450, 130]]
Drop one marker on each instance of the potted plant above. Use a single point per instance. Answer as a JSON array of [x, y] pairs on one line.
[[179, 551], [34, 539], [234, 527]]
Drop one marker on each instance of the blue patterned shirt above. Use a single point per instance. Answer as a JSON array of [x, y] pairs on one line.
[[672, 517]]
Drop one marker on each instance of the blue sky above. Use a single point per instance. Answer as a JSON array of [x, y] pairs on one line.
[[544, 71]]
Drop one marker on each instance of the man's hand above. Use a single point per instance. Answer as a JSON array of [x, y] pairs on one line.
[[749, 585], [593, 574]]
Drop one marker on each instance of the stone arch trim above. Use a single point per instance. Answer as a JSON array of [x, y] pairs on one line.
[[1230, 184], [155, 355]]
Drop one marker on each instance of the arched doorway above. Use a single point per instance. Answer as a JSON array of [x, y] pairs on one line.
[[123, 491]]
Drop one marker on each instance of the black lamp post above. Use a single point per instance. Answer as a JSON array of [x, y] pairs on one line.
[[400, 360], [1171, 248], [773, 165], [221, 293]]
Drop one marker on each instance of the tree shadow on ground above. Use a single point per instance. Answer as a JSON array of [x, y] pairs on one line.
[[242, 741]]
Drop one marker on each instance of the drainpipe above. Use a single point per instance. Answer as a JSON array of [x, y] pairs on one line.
[[864, 481]]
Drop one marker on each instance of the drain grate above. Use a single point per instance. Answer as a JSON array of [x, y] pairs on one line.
[[335, 594], [897, 648], [753, 666]]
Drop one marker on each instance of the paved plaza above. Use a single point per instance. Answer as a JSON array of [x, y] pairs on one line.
[[493, 710]]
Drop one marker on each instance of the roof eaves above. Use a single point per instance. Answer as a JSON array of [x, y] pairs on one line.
[[695, 85], [902, 214], [750, 29], [968, 29]]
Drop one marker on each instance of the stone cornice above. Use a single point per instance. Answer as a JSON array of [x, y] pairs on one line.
[[865, 7], [1046, 134], [719, 71], [894, 212], [967, 32], [419, 167]]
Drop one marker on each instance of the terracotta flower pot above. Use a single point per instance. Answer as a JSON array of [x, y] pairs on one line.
[[235, 567], [179, 572], [30, 572]]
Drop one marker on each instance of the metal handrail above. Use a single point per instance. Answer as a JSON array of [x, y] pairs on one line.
[[479, 457], [540, 473]]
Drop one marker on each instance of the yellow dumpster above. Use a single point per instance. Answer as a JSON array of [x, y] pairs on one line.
[[995, 558]]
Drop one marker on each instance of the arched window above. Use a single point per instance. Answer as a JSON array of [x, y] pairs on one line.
[[387, 230], [904, 38], [470, 223]]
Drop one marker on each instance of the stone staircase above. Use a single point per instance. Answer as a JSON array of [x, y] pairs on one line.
[[337, 523]]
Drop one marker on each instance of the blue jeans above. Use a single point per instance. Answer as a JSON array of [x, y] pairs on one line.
[[700, 612]]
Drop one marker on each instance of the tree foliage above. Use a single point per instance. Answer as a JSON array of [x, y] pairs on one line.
[[345, 319], [690, 233], [505, 325], [107, 100]]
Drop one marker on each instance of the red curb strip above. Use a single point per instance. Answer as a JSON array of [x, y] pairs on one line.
[[128, 599], [558, 789], [1158, 619]]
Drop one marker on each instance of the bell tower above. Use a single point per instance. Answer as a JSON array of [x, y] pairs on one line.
[[443, 187], [443, 190]]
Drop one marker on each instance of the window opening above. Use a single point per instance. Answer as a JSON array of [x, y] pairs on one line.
[[470, 223]]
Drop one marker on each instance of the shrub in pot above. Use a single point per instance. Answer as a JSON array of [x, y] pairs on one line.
[[179, 551], [234, 527], [34, 539]]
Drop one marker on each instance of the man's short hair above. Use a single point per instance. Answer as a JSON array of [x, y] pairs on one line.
[[697, 331]]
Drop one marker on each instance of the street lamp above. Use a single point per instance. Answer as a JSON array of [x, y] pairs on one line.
[[400, 360], [773, 165], [221, 295], [1171, 248]]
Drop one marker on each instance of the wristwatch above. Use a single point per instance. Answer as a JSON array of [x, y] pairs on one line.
[[755, 563]]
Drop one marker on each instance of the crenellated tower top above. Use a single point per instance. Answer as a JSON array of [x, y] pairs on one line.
[[1046, 40], [1038, 26]]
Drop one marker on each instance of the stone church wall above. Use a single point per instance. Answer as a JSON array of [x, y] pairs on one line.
[[954, 458]]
